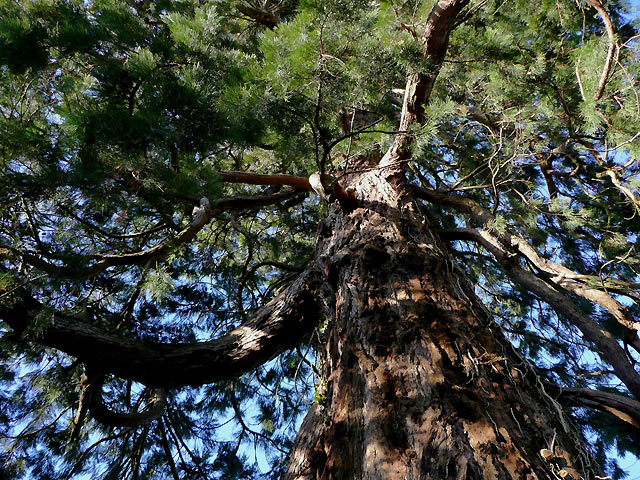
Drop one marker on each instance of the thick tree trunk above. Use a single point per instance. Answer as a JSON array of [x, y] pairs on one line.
[[420, 384]]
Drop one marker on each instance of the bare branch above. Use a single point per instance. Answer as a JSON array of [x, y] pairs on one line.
[[333, 187], [300, 183]]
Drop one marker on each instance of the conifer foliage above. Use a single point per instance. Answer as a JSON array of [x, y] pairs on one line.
[[197, 196]]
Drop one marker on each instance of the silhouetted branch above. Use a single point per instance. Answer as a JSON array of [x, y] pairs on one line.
[[106, 416], [201, 216]]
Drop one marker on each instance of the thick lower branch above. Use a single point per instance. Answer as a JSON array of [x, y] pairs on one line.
[[276, 327]]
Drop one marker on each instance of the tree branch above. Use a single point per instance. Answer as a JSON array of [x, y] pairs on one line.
[[106, 416], [612, 46], [335, 190], [625, 408], [419, 85], [554, 272], [276, 327], [167, 449], [300, 183], [606, 343], [104, 233], [201, 216], [262, 16]]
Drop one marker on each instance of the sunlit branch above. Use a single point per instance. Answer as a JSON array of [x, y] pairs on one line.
[[301, 183], [440, 23], [612, 46], [554, 272]]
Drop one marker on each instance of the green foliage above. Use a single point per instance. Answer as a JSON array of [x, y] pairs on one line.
[[117, 115]]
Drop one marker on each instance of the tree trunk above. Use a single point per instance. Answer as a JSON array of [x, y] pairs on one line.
[[420, 383]]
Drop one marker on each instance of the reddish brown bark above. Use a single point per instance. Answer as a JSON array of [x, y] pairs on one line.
[[420, 383], [441, 21], [301, 183]]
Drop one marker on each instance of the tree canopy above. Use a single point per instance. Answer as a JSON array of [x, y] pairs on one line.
[[166, 166]]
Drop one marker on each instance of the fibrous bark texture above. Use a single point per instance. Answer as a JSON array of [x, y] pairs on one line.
[[420, 384]]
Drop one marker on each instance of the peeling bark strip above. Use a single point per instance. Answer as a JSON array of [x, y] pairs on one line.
[[278, 326], [420, 384]]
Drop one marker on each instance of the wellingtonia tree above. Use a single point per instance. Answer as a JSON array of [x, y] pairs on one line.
[[412, 222]]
